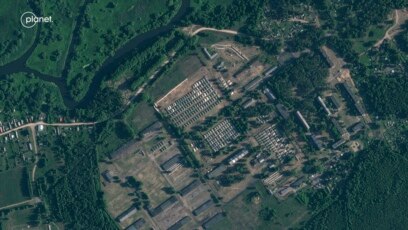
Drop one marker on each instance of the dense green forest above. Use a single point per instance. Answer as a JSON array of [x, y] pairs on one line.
[[374, 197], [383, 82], [24, 95], [75, 197], [402, 38], [388, 96], [305, 74], [223, 15]]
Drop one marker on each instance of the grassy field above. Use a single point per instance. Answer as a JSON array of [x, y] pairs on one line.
[[14, 187], [374, 34], [210, 38], [140, 116], [14, 39], [100, 37], [244, 213], [22, 220], [181, 70], [147, 172], [114, 135], [50, 54]]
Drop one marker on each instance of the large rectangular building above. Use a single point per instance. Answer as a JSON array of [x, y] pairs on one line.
[[170, 163], [213, 220], [190, 187], [163, 206], [203, 207], [179, 224], [137, 225], [126, 214], [238, 156], [283, 111], [357, 102], [217, 171], [303, 120]]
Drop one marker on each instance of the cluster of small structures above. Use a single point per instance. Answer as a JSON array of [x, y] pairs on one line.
[[273, 142], [219, 146], [24, 146], [221, 135], [187, 109], [6, 126]]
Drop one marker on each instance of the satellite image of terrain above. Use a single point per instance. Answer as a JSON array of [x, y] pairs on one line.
[[203, 114]]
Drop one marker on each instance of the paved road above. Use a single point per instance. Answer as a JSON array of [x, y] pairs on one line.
[[33, 125]]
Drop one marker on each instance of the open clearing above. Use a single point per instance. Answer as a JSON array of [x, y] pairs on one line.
[[182, 69], [400, 16], [14, 187], [244, 213], [140, 116]]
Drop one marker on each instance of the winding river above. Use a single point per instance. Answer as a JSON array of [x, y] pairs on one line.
[[107, 67]]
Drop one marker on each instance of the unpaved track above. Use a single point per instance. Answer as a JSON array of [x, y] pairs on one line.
[[400, 16], [32, 201], [192, 31], [32, 126]]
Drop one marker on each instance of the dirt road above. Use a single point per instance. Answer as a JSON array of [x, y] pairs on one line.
[[32, 126], [400, 16], [195, 29], [34, 200]]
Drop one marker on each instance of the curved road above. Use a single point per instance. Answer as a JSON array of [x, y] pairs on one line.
[[107, 67], [400, 16], [214, 30]]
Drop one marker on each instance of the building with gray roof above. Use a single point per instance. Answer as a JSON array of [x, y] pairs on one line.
[[126, 214], [213, 220], [203, 207], [169, 164], [190, 187], [163, 206], [283, 111], [138, 224], [179, 224]]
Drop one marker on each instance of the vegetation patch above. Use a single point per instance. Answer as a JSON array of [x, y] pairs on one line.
[[14, 39], [183, 68], [100, 38], [140, 116], [15, 186], [22, 95], [256, 208], [75, 197], [51, 52]]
